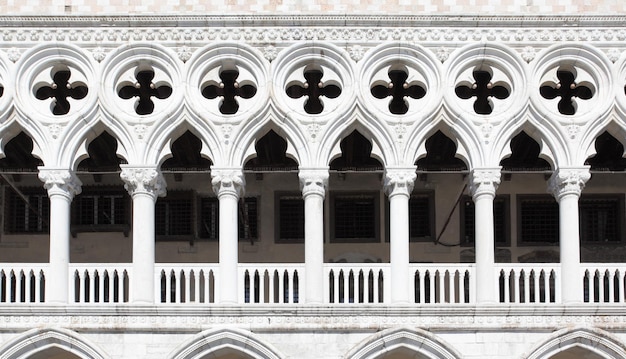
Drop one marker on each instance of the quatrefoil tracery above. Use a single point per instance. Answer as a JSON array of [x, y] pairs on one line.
[[60, 90], [313, 89], [567, 89], [144, 88], [398, 88], [229, 89], [482, 89]]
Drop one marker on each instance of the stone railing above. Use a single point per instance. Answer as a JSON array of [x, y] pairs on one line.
[[284, 283]]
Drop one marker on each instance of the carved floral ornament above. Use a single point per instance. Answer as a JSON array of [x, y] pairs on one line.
[[399, 181], [143, 180]]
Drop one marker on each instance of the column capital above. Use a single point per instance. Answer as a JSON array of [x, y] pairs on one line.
[[484, 181], [568, 180], [313, 181], [59, 181], [228, 181], [399, 181], [146, 180]]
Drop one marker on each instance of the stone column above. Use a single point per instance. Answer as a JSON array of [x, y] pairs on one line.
[[62, 186], [313, 184], [483, 185], [144, 184], [566, 185], [398, 185], [228, 185]]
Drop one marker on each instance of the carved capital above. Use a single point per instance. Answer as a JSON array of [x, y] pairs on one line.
[[313, 182], [147, 180], [399, 181], [484, 181], [60, 182], [228, 182], [565, 181]]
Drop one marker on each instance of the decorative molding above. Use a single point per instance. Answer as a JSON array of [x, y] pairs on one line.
[[60, 182], [484, 181], [228, 181]]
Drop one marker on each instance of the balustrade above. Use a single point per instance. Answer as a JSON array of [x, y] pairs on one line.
[[22, 283], [357, 283], [345, 283], [524, 283], [99, 283], [443, 283]]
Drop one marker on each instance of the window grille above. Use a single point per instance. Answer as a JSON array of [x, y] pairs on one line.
[[421, 217], [101, 209], [28, 214], [248, 218], [538, 220], [355, 218], [290, 218], [500, 221], [209, 218], [600, 218], [174, 215]]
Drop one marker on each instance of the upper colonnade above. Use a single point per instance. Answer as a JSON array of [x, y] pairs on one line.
[[229, 79]]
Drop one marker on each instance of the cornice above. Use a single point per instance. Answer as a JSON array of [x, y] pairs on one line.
[[513, 21]]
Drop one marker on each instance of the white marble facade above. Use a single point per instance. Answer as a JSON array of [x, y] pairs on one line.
[[439, 45]]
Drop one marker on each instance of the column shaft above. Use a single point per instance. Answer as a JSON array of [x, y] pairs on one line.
[[313, 184]]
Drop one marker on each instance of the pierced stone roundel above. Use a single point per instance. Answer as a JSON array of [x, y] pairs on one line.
[[140, 82], [56, 84], [572, 84], [313, 82], [486, 83], [399, 80], [227, 83]]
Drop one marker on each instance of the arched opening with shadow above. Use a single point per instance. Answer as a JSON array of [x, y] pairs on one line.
[[186, 222], [101, 212], [26, 204], [225, 344], [400, 343], [433, 222], [54, 343], [272, 186], [581, 343]]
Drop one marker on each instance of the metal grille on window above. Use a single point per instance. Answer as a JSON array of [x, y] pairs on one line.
[[27, 213], [209, 218], [539, 220], [174, 217], [600, 219], [420, 217], [355, 217], [500, 219], [106, 209], [248, 218], [291, 226]]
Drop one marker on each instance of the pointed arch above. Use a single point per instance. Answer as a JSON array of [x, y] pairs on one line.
[[39, 340], [78, 139], [501, 146], [40, 145], [467, 147], [593, 340], [213, 341], [246, 139], [383, 148], [162, 149], [415, 340], [587, 146]]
